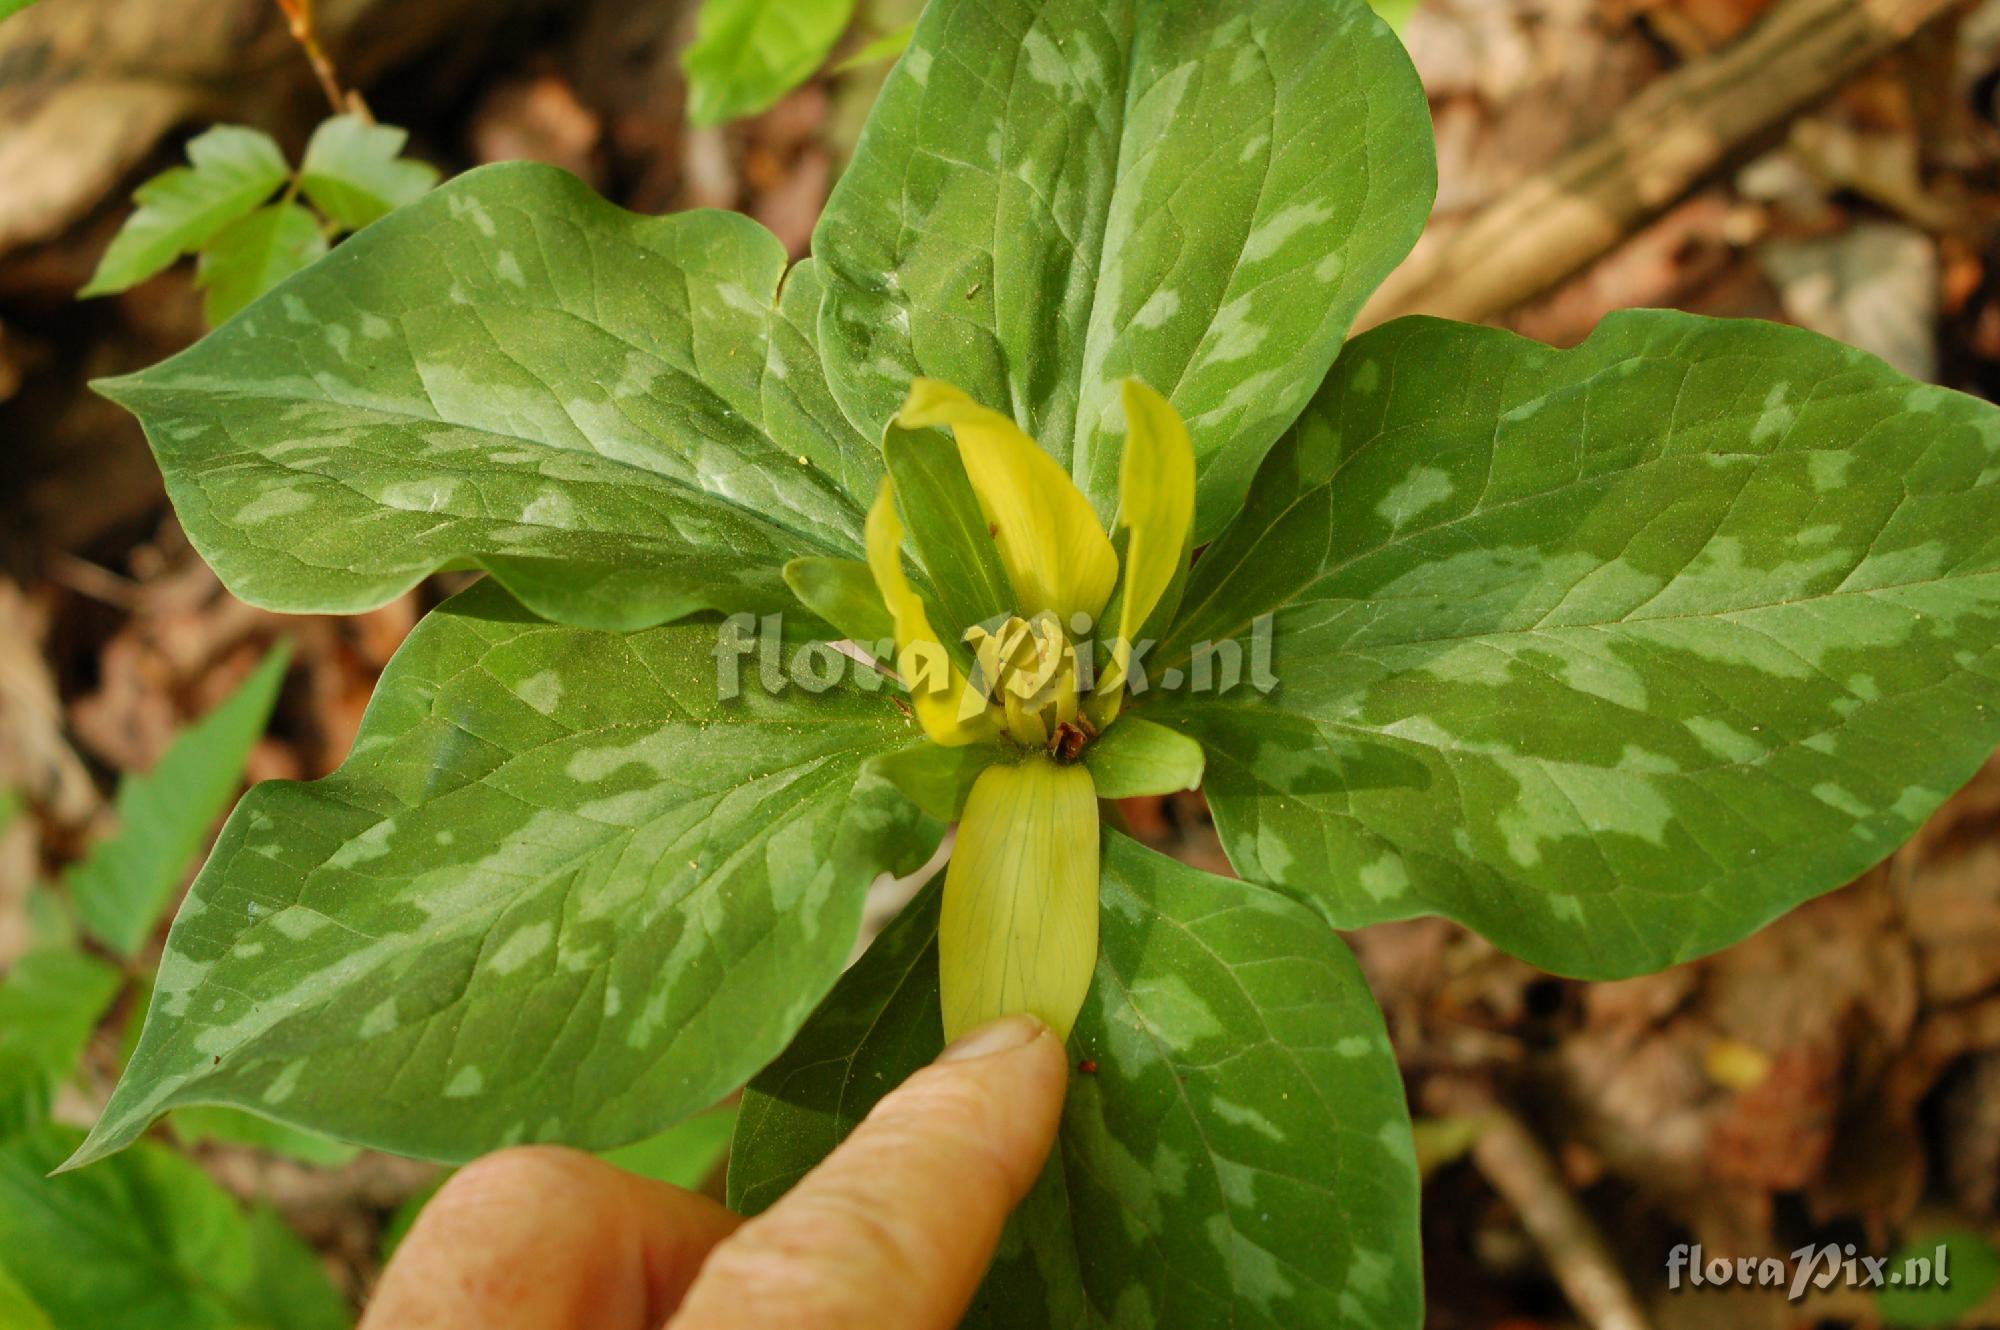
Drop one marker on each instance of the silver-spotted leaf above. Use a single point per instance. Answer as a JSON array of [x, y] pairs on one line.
[[1054, 194], [1234, 1152], [562, 890], [509, 372], [1613, 654]]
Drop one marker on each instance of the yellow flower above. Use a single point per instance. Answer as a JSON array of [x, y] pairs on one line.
[[1019, 928]]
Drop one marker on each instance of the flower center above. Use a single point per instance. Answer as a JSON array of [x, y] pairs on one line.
[[1028, 668]]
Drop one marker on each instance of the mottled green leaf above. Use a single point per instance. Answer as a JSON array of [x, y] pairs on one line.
[[164, 817], [1054, 194], [562, 890], [50, 1002], [231, 170], [748, 53], [1237, 1152], [1612, 654], [148, 1241], [509, 372], [798, 403], [1136, 757], [355, 173], [9, 8], [253, 254]]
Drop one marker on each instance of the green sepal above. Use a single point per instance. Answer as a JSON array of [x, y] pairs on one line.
[[842, 592], [936, 778], [953, 540], [1136, 757]]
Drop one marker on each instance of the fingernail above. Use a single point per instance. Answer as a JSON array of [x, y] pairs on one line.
[[1001, 1036]]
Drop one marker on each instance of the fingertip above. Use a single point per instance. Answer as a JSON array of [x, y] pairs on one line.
[[543, 1234], [897, 1225], [1005, 1035]]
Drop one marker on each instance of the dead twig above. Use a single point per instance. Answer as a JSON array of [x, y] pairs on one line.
[[1507, 1154], [1659, 147], [299, 13]]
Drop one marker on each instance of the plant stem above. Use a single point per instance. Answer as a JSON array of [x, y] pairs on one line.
[[299, 13]]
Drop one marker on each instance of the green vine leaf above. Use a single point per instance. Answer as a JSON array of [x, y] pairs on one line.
[[231, 170], [1235, 1153], [1032, 216], [513, 373], [125, 884], [149, 1242], [1612, 654], [561, 891], [355, 173], [253, 254], [749, 53]]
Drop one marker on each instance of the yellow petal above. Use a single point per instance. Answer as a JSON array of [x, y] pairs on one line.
[[1055, 553], [949, 715], [1019, 927], [1156, 504]]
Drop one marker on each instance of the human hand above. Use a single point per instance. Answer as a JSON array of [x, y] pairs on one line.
[[892, 1231]]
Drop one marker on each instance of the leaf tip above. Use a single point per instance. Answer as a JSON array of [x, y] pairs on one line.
[[119, 388], [100, 1144]]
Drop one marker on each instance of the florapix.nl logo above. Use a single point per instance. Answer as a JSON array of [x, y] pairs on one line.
[[1808, 1269], [761, 649]]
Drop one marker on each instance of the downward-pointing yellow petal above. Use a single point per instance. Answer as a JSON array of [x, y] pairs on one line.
[[937, 689], [1019, 925], [1055, 553]]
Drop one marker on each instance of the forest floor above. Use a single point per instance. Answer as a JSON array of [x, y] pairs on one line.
[[1834, 1078]]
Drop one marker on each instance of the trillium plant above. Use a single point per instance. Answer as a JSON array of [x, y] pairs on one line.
[[1050, 478]]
